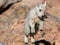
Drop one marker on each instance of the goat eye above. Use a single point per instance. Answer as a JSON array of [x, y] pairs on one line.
[[40, 10]]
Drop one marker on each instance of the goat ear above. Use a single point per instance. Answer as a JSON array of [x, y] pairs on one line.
[[44, 4]]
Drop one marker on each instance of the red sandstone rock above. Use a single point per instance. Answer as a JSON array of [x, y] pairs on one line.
[[12, 23]]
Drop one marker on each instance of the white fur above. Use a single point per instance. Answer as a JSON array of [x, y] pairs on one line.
[[32, 18], [41, 25], [25, 39], [32, 39]]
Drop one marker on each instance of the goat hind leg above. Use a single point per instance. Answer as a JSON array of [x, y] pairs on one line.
[[26, 33], [25, 39], [32, 27], [32, 32]]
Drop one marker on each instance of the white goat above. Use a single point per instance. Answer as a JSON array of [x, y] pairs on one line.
[[34, 16]]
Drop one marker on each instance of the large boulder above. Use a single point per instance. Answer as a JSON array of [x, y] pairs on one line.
[[12, 23]]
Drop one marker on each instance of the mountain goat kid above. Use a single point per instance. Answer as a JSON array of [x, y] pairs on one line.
[[35, 15]]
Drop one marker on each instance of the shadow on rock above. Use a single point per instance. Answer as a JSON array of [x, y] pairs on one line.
[[42, 42]]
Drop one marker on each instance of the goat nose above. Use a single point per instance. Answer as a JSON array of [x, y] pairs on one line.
[[41, 30], [40, 10]]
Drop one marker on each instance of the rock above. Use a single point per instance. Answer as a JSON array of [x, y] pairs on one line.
[[5, 3], [12, 23]]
